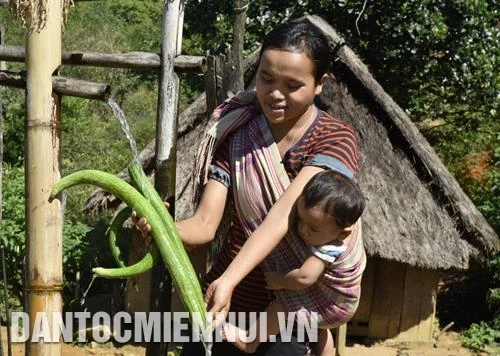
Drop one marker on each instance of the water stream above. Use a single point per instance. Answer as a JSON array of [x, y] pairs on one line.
[[84, 295], [120, 115]]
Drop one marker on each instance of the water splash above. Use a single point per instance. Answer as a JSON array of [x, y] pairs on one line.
[[120, 115], [84, 295]]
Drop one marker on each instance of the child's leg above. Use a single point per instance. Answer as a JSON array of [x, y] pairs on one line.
[[240, 338], [325, 347]]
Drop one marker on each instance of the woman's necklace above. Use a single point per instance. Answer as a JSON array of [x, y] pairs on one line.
[[301, 129]]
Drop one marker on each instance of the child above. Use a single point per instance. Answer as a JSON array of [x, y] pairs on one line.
[[323, 218]]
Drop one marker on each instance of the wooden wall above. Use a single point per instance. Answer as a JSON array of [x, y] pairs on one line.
[[397, 301]]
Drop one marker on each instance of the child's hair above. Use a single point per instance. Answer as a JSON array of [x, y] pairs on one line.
[[338, 196], [301, 36]]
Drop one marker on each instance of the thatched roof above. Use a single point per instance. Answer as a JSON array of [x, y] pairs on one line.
[[416, 212]]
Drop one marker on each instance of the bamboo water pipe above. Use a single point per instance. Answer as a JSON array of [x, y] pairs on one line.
[[61, 85]]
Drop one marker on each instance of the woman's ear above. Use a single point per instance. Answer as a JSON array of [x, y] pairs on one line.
[[319, 86]]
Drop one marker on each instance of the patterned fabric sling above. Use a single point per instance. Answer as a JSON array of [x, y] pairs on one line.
[[258, 180]]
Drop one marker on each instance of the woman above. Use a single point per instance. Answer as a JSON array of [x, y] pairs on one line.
[[266, 146]]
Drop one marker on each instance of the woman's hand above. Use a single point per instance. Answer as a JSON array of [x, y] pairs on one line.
[[273, 280], [218, 297], [143, 226]]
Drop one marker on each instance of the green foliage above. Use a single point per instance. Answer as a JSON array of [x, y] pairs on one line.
[[487, 333], [480, 335], [13, 125], [13, 234]]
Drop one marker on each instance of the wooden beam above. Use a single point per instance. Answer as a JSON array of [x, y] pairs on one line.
[[61, 85], [132, 60]]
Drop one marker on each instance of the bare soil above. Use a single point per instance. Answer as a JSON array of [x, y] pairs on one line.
[[447, 345]]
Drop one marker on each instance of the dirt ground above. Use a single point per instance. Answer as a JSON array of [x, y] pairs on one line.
[[447, 345]]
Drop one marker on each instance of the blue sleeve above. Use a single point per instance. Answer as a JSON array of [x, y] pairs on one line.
[[220, 175], [329, 162]]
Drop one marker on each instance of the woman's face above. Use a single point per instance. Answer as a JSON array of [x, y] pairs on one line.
[[285, 85]]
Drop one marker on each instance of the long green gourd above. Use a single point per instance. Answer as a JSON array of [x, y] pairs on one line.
[[113, 234], [175, 259], [151, 257], [142, 183]]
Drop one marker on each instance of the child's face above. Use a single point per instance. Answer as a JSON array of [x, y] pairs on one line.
[[285, 85], [317, 228]]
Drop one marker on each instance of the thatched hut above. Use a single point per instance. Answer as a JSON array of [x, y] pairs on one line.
[[418, 221]]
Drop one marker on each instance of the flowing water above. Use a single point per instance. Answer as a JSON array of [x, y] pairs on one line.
[[120, 115], [84, 295]]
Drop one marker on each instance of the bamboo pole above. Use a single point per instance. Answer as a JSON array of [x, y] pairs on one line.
[[166, 141], [62, 86], [132, 60], [42, 170]]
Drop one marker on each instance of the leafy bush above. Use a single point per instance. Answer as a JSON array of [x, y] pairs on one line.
[[480, 335], [13, 235], [487, 332]]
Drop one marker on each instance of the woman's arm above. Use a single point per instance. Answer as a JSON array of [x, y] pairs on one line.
[[299, 278], [201, 227], [263, 240]]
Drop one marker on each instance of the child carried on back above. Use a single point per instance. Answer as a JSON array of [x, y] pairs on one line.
[[327, 284]]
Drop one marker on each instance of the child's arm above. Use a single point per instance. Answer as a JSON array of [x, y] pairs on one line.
[[299, 278]]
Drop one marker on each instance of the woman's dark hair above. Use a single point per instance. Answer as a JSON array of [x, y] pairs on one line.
[[301, 36], [336, 194]]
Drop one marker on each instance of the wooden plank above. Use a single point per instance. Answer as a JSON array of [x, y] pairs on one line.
[[428, 305], [413, 293], [367, 290], [358, 325], [387, 299], [340, 336]]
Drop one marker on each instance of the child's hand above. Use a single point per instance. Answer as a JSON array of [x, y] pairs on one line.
[[273, 280]]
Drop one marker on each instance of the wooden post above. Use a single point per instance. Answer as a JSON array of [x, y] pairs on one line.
[[232, 81], [42, 170], [166, 142]]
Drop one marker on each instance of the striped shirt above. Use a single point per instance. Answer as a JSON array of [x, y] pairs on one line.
[[328, 143]]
